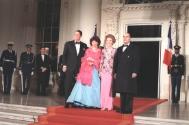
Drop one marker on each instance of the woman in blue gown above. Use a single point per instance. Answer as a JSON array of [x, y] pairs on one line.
[[86, 91]]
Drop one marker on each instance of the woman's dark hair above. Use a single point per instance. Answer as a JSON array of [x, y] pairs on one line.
[[95, 38], [79, 31]]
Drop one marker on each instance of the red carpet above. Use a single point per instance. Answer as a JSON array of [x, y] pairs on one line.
[[58, 115]]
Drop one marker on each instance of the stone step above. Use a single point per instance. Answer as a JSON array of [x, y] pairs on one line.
[[25, 108], [19, 114], [6, 121], [159, 121]]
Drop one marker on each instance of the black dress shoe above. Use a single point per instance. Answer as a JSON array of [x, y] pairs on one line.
[[66, 105], [118, 110], [174, 102]]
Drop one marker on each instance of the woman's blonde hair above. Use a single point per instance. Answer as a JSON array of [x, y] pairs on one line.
[[111, 37]]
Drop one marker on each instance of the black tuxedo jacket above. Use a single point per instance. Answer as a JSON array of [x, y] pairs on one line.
[[40, 63], [70, 57]]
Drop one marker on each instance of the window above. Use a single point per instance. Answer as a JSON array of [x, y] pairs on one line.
[[141, 1], [145, 31], [48, 27], [48, 24]]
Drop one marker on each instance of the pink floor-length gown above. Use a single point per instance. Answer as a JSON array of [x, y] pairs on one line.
[[106, 78]]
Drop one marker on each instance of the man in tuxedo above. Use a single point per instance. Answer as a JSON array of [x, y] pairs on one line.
[[42, 69], [8, 63], [26, 68], [126, 68], [71, 60], [177, 70]]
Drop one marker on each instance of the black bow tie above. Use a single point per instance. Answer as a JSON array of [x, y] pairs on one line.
[[125, 45], [77, 42]]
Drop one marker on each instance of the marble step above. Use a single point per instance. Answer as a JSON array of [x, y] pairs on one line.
[[18, 115], [11, 114], [6, 121], [25, 108], [159, 121]]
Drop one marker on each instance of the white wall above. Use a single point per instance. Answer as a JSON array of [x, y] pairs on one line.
[[18, 23]]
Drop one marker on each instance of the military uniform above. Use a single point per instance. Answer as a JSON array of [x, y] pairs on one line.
[[8, 63], [177, 69], [26, 67]]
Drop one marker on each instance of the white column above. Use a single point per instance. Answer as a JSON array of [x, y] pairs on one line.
[[69, 21], [181, 38], [90, 13], [181, 42]]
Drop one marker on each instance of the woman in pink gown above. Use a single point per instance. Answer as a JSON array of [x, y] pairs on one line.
[[106, 68]]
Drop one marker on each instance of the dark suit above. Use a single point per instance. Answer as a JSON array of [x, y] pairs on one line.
[[177, 70], [26, 66], [8, 63], [61, 89], [73, 62], [42, 77], [126, 63]]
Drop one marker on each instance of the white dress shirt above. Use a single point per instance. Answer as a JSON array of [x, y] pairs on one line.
[[43, 57], [77, 46], [125, 47]]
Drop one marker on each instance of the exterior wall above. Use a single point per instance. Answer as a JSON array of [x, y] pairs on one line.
[[18, 23]]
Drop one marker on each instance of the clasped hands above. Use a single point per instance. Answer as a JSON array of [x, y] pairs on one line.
[[90, 61], [43, 69]]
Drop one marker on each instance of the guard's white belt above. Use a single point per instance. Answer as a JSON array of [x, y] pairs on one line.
[[7, 60]]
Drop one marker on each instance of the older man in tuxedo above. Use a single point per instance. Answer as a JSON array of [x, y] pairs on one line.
[[43, 69], [71, 60], [126, 68]]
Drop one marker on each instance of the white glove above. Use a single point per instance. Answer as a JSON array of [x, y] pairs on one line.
[[134, 75], [182, 77], [14, 69], [20, 72], [1, 69], [32, 73], [59, 74]]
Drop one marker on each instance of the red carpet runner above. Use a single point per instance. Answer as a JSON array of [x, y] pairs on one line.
[[58, 115]]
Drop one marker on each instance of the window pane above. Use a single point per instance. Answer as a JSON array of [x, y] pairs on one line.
[[145, 31]]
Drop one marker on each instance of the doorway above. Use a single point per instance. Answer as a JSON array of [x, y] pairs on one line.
[[146, 38], [149, 65]]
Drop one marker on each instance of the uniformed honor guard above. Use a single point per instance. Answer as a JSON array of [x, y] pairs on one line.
[[177, 70], [26, 68], [8, 63]]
